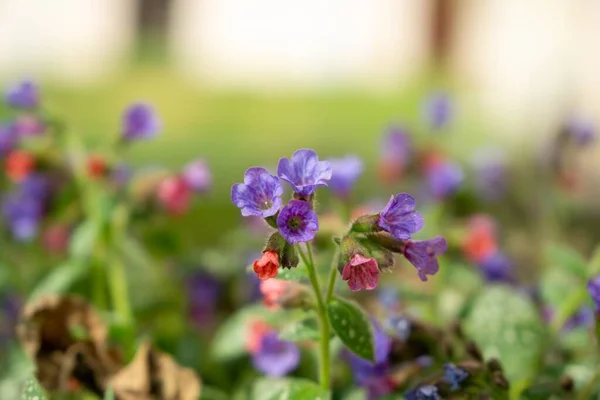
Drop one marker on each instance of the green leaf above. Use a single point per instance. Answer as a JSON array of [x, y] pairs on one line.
[[84, 238], [506, 325], [299, 331], [293, 274], [352, 326], [567, 259], [33, 391], [60, 279], [288, 389], [109, 394]]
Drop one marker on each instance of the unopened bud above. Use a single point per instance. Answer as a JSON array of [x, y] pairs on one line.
[[289, 256], [366, 224]]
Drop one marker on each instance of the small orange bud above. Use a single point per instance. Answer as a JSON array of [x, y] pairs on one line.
[[96, 166], [267, 266]]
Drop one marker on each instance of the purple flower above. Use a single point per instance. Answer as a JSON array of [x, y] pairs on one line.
[[444, 179], [203, 292], [121, 174], [454, 376], [491, 174], [259, 195], [400, 218], [22, 214], [584, 317], [297, 222], [275, 357], [304, 172], [24, 94], [594, 290], [438, 110], [345, 172], [582, 131], [198, 176], [36, 186], [373, 376], [422, 254], [427, 392], [28, 125], [396, 146], [401, 327], [140, 122], [8, 139], [497, 268], [388, 297]]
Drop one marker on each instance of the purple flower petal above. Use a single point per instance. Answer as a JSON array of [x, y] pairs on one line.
[[345, 172], [297, 222], [444, 179], [259, 195], [276, 357], [400, 218], [422, 254], [438, 110], [594, 290], [198, 176], [304, 172], [23, 94], [140, 121]]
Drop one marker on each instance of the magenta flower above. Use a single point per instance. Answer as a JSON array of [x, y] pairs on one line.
[[297, 222], [140, 121], [345, 172], [304, 172], [198, 176], [400, 218], [259, 195], [23, 94], [422, 254], [275, 357], [361, 273]]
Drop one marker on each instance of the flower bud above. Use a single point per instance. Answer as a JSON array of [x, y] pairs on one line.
[[266, 267], [366, 224], [276, 243], [289, 257], [19, 164]]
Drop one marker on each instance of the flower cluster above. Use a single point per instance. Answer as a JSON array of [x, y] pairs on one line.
[[271, 355], [373, 239], [261, 195]]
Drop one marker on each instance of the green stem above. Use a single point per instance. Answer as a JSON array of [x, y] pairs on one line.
[[117, 279], [324, 359], [98, 281], [568, 308], [333, 273], [588, 389]]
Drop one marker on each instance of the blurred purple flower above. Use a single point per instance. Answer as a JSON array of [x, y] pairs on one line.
[[345, 172], [582, 131], [297, 222], [389, 298], [259, 195], [444, 179], [304, 172], [497, 268], [36, 186], [423, 255], [275, 357], [203, 293], [8, 139], [400, 218], [396, 151], [593, 287], [373, 376], [427, 392], [361, 273], [584, 317], [24, 94], [22, 214], [198, 176], [140, 121], [121, 174], [438, 110], [454, 376], [490, 174]]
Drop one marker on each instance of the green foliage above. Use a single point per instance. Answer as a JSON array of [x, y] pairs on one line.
[[298, 331], [352, 326], [33, 391], [110, 394], [288, 389], [506, 325], [293, 274]]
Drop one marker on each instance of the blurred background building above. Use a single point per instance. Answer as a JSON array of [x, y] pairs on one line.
[[527, 63]]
